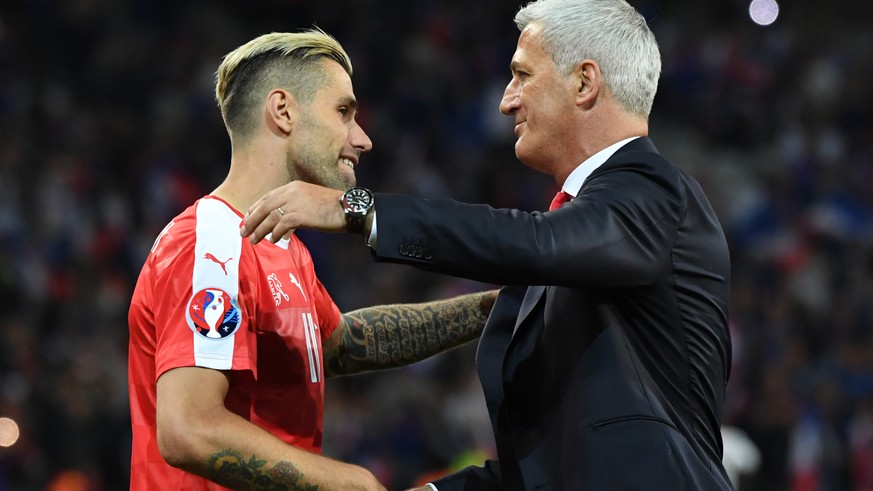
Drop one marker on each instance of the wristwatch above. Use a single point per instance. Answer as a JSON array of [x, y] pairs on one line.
[[356, 203]]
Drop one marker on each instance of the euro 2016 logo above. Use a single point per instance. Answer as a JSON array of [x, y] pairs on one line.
[[212, 314]]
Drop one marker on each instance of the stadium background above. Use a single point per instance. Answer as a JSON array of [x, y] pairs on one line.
[[108, 128]]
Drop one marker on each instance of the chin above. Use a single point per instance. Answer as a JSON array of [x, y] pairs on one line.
[[524, 155], [349, 181], [533, 160], [341, 181], [346, 185]]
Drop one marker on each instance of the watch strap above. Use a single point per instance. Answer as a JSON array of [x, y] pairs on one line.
[[355, 223]]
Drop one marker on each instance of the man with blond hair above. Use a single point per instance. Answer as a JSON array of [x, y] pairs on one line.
[[230, 342], [604, 362]]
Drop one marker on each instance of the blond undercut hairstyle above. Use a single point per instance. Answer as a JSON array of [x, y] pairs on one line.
[[287, 60]]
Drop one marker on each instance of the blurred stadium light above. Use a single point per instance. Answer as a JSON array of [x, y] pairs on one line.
[[8, 432], [763, 12]]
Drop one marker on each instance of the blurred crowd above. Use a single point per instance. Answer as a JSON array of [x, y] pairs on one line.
[[108, 128]]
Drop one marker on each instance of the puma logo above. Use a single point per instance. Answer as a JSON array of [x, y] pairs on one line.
[[216, 261], [296, 283]]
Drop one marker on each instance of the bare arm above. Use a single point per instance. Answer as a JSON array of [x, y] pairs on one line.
[[198, 434], [388, 336]]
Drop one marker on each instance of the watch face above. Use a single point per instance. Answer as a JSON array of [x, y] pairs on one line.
[[358, 200]]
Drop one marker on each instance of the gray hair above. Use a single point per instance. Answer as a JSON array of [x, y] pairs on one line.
[[610, 32]]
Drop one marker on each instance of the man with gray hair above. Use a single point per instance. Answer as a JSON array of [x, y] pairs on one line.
[[605, 360]]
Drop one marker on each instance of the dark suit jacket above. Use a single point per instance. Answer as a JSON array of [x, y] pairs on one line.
[[612, 376]]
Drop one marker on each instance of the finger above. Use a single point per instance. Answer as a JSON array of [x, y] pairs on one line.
[[283, 227], [249, 222], [265, 226], [257, 213]]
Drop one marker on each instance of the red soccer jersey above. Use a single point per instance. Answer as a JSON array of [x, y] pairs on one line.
[[208, 298]]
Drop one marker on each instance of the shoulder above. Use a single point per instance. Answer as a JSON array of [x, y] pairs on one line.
[[176, 236], [636, 179], [208, 228], [637, 169], [640, 157], [298, 250]]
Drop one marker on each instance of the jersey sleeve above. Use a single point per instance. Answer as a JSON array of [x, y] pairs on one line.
[[204, 304], [328, 313]]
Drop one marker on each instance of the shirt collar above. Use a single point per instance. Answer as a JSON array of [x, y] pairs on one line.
[[577, 178]]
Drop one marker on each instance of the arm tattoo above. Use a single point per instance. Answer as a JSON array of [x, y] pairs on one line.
[[230, 469], [388, 336]]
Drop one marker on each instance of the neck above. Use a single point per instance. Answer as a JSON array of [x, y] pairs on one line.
[[600, 133], [254, 170]]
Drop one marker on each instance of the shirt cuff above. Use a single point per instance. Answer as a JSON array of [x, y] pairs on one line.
[[371, 239], [432, 487]]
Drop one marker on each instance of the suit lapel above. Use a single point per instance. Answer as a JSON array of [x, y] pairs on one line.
[[525, 334], [531, 298], [494, 343]]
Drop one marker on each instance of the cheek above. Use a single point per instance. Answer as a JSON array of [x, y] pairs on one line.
[[550, 116], [337, 134], [536, 108]]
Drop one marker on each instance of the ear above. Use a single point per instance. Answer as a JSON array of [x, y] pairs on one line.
[[587, 82], [280, 111]]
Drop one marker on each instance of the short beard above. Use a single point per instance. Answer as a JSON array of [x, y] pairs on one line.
[[311, 170]]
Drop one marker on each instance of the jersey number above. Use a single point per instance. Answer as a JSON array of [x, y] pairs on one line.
[[312, 342]]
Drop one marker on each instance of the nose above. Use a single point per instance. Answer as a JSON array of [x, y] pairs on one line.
[[511, 97], [359, 139]]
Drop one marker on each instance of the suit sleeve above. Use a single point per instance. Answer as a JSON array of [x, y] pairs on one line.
[[616, 233], [485, 478]]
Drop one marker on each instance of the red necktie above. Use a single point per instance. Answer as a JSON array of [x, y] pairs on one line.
[[559, 200]]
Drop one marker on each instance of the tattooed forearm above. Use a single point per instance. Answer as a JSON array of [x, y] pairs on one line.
[[392, 335], [231, 470]]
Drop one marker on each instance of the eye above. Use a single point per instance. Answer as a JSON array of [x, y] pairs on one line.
[[344, 110], [520, 76]]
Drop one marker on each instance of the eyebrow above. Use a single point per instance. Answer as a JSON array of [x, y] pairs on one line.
[[349, 101]]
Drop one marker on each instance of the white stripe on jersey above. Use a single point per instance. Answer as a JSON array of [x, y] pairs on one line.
[[217, 239], [312, 342]]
